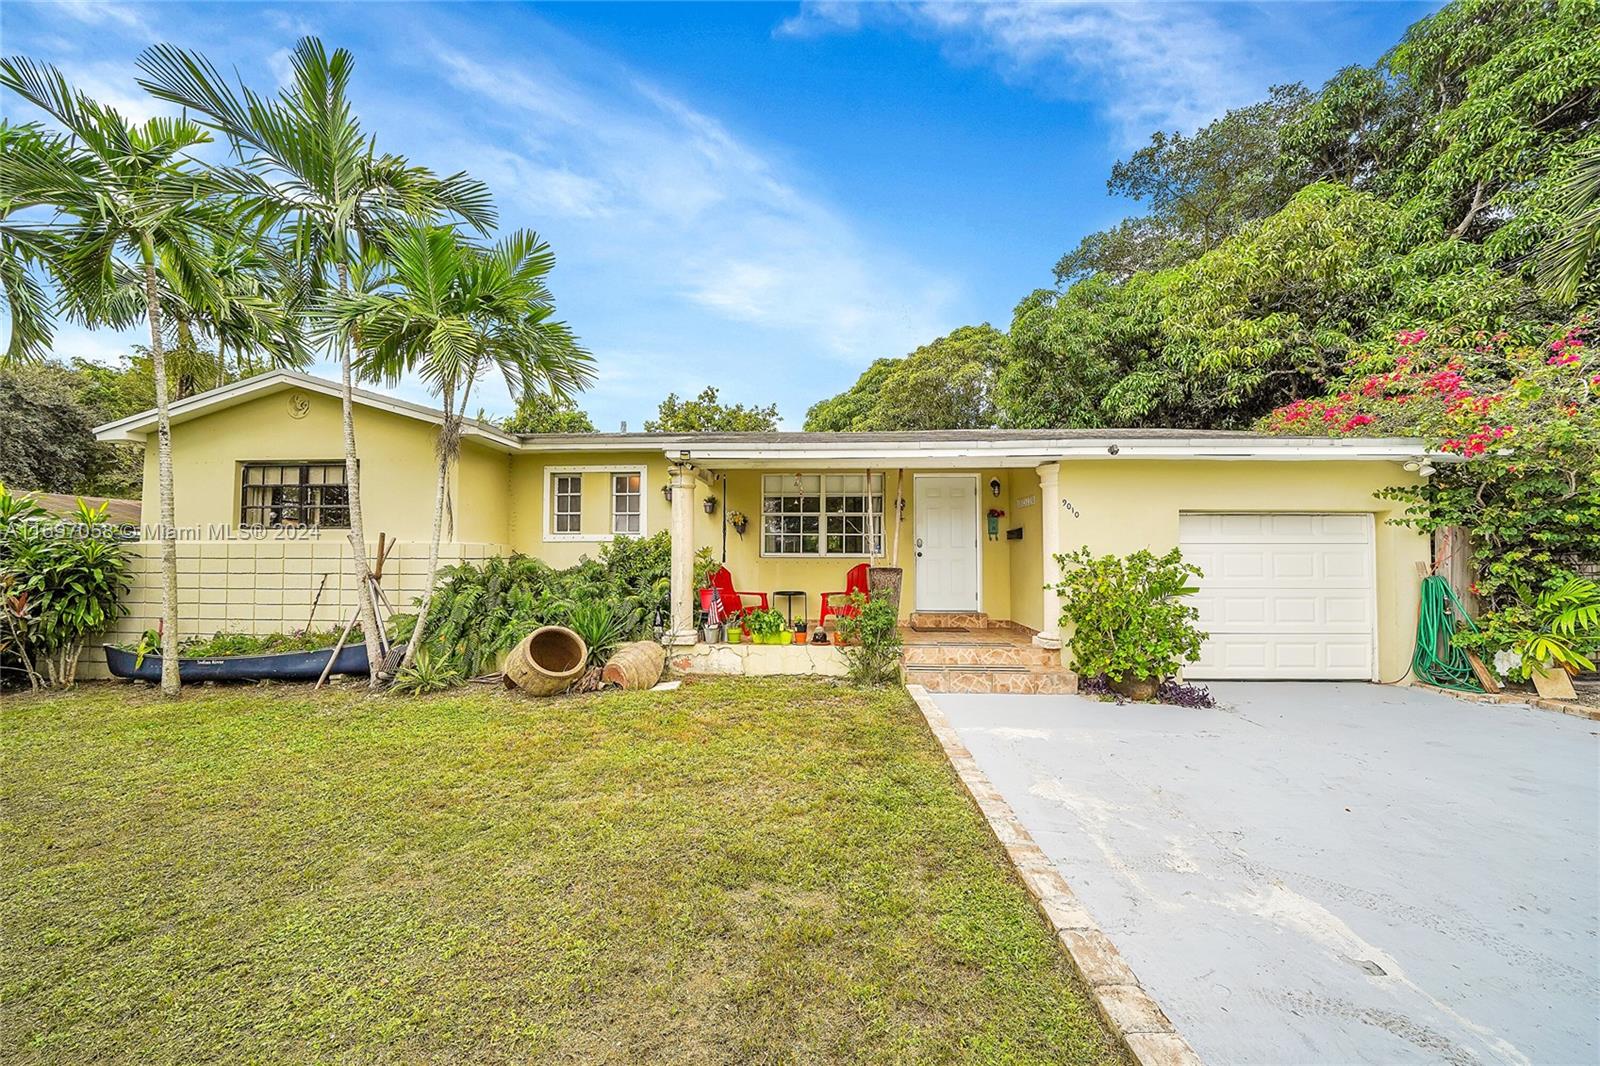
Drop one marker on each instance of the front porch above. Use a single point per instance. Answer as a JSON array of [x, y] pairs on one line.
[[970, 537]]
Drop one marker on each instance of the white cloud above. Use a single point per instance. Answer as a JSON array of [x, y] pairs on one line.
[[127, 18], [670, 198], [1147, 65]]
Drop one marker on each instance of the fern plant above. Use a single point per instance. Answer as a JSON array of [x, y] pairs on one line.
[[1557, 627]]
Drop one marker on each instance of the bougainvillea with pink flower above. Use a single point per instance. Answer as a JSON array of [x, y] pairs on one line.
[[1517, 429]]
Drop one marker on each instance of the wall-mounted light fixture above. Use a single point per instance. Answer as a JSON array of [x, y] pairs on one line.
[[666, 492], [994, 487]]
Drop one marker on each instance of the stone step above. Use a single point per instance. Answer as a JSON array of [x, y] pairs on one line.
[[948, 620], [1011, 679], [956, 652]]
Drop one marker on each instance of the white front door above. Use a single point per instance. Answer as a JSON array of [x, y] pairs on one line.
[[947, 542]]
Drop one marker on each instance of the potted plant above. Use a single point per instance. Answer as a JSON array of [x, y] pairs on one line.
[[735, 634], [800, 632], [1129, 621], [766, 625], [739, 521]]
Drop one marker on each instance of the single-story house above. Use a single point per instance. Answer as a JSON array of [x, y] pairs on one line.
[[1306, 576]]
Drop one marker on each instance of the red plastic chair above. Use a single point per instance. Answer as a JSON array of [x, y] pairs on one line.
[[854, 581], [733, 604]]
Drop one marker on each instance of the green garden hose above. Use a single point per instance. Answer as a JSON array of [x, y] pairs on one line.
[[1437, 661]]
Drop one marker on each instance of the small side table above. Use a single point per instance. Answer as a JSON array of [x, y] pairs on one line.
[[788, 597]]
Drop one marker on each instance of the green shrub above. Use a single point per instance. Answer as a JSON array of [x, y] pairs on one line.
[[1558, 626], [60, 581], [481, 611], [1128, 614], [224, 643], [873, 632], [603, 625]]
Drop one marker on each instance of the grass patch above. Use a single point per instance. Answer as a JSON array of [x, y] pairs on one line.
[[736, 872]]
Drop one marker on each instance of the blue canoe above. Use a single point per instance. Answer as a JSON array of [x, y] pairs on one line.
[[284, 666]]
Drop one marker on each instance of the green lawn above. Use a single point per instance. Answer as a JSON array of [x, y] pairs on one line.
[[735, 872]]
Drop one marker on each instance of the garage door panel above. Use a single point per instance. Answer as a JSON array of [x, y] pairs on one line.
[[1283, 595]]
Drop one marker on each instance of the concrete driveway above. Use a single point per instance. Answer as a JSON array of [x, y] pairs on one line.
[[1326, 872]]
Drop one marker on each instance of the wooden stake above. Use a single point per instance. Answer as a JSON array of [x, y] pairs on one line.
[[1483, 674]]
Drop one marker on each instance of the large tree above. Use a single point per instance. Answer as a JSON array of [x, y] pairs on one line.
[[1199, 189], [706, 414], [451, 312], [945, 384], [542, 411], [127, 200], [306, 160]]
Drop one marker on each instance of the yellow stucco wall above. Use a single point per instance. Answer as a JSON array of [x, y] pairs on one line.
[[530, 478], [397, 468], [1025, 556], [1123, 505]]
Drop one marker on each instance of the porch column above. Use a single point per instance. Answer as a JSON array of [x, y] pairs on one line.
[[1049, 635], [681, 631]]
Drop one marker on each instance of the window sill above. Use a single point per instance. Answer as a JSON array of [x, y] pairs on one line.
[[586, 538]]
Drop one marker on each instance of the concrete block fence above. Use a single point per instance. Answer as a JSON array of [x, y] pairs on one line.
[[266, 586]]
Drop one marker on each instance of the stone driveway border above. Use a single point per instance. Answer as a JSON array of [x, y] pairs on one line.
[[1139, 1023]]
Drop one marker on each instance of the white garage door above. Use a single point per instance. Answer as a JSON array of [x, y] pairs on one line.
[[1284, 595]]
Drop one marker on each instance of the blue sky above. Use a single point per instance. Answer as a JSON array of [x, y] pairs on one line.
[[763, 197]]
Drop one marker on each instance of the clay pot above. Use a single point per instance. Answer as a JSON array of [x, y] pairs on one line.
[[546, 661], [1139, 689], [636, 666]]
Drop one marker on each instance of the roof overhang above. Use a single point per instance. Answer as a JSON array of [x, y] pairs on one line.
[[824, 453], [938, 449]]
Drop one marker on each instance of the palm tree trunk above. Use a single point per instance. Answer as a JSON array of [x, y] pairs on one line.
[[352, 481], [447, 437], [169, 533]]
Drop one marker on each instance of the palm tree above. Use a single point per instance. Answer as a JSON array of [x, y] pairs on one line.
[[451, 311], [307, 163], [1562, 263], [119, 189], [24, 250]]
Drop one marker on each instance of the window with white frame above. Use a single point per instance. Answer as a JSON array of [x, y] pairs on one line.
[[564, 503], [567, 493], [627, 502], [822, 514]]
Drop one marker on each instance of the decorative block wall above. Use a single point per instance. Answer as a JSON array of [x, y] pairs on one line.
[[265, 586]]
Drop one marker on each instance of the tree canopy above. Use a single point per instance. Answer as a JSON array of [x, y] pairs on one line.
[[1276, 241], [946, 384], [706, 414], [542, 411]]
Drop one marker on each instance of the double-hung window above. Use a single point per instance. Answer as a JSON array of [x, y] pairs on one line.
[[304, 495], [567, 490], [622, 489], [822, 514], [627, 502]]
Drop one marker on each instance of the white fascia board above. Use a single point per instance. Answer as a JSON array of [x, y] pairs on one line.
[[1031, 453]]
